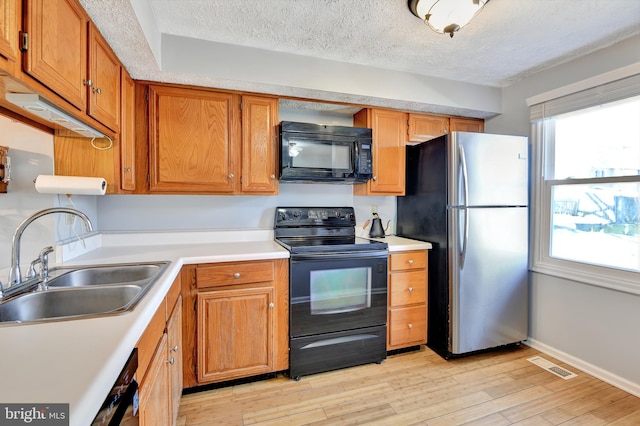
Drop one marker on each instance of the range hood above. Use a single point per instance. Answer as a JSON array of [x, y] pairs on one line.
[[42, 108]]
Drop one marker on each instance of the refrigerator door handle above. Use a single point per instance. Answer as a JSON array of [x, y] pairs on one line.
[[465, 205]]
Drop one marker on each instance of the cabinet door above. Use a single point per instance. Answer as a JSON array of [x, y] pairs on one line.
[[466, 125], [57, 49], [423, 127], [127, 133], [192, 139], [174, 336], [154, 389], [104, 74], [235, 333], [259, 145], [10, 13], [389, 129]]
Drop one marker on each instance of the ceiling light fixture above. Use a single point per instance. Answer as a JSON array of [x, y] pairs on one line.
[[446, 16]]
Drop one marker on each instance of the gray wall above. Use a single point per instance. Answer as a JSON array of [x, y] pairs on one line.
[[592, 327], [31, 153]]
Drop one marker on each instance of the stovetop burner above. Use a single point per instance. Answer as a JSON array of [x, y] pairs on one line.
[[320, 229]]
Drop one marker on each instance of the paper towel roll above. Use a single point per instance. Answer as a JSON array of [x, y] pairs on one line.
[[47, 184]]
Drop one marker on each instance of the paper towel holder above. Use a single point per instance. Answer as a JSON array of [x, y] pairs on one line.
[[5, 169], [70, 185]]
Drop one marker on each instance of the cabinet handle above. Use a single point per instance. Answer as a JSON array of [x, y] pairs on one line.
[[231, 176], [174, 349], [410, 289], [271, 305], [236, 275], [87, 83], [171, 361], [408, 325], [410, 261], [98, 91]]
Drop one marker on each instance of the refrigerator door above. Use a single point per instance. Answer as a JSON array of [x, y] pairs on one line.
[[497, 170], [487, 277]]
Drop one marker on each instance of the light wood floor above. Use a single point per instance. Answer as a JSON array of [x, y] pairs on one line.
[[421, 388]]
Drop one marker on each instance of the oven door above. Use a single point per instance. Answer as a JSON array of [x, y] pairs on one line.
[[337, 291]]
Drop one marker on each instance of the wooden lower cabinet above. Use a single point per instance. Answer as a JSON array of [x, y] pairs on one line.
[[160, 363], [154, 389], [236, 329], [407, 316], [238, 323]]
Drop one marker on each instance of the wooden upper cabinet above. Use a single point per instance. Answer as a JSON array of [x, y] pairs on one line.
[[127, 133], [10, 15], [104, 77], [423, 127], [259, 145], [191, 146], [389, 129], [57, 47], [459, 124]]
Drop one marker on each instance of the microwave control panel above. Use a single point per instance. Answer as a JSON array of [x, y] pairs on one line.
[[364, 164]]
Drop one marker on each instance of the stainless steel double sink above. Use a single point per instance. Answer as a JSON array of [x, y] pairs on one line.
[[84, 292]]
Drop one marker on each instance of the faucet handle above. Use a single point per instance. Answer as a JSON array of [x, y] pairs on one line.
[[44, 259], [32, 268]]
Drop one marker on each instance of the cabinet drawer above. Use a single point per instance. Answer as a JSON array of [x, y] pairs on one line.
[[407, 288], [234, 273], [408, 260], [407, 325]]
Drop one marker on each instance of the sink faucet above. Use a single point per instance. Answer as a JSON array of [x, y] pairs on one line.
[[15, 275]]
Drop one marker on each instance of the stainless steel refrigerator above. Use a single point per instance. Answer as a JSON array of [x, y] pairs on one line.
[[467, 194]]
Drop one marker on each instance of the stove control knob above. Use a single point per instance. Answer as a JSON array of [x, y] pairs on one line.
[[296, 213]]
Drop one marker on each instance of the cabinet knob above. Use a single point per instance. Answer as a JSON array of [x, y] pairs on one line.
[[127, 169], [410, 289], [271, 305], [375, 178], [87, 83], [272, 176], [410, 261], [236, 275], [171, 361], [174, 349], [97, 91], [231, 176], [408, 325]]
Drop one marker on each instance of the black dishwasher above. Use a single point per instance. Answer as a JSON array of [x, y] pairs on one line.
[[121, 405]]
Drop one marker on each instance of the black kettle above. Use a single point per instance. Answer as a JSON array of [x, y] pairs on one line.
[[376, 231]]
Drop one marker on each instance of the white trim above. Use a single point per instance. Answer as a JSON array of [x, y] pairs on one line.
[[585, 84], [597, 372]]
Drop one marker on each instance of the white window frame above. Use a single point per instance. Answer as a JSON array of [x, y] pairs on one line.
[[541, 190]]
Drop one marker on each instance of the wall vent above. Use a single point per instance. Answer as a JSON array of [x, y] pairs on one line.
[[552, 368]]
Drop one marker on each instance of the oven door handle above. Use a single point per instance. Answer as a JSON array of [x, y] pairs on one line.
[[340, 255]]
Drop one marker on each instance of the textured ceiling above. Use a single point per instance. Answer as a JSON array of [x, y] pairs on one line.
[[509, 40]]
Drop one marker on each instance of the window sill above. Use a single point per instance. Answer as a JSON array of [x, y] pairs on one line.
[[626, 282]]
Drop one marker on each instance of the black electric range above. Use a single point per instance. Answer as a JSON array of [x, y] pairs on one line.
[[320, 229]]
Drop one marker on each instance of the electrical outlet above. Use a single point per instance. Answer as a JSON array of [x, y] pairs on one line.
[[373, 209]]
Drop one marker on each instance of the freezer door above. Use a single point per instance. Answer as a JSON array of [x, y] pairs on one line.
[[492, 170], [488, 278]]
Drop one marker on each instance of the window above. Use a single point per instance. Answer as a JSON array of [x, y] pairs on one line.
[[587, 186]]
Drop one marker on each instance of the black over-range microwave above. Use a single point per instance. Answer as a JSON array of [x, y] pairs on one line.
[[320, 153]]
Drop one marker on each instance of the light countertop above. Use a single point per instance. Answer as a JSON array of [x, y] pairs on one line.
[[77, 361]]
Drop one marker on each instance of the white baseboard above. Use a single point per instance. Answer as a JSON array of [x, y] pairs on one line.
[[604, 375]]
